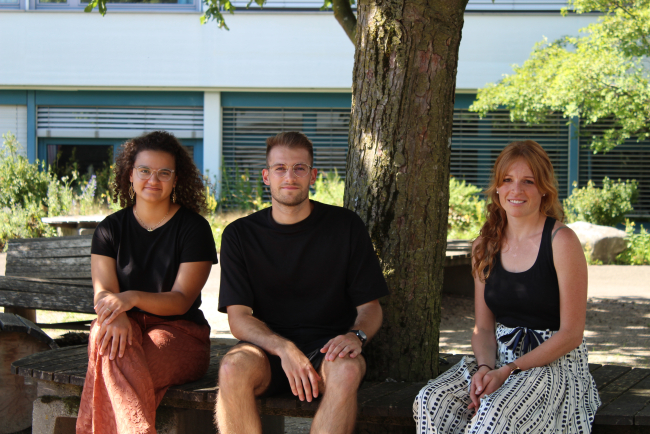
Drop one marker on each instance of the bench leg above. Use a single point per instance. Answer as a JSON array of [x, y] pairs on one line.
[[171, 420], [55, 415]]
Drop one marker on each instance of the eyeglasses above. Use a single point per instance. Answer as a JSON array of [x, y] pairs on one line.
[[299, 169], [163, 175]]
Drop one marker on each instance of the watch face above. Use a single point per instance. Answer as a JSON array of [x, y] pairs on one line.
[[362, 335]]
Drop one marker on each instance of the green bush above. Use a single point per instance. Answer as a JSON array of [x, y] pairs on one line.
[[21, 183], [23, 221], [239, 193], [466, 210], [605, 206], [638, 246], [329, 188], [60, 197]]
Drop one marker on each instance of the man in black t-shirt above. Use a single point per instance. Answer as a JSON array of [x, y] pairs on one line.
[[300, 282]]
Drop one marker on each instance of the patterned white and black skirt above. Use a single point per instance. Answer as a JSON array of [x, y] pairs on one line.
[[560, 397]]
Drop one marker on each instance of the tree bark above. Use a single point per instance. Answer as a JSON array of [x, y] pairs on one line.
[[398, 168]]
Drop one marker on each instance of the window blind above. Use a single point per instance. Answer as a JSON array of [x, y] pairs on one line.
[[118, 122], [630, 160], [245, 131]]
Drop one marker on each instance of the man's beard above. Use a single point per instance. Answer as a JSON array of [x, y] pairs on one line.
[[290, 201]]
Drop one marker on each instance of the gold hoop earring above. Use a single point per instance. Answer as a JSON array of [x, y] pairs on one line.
[[174, 195], [131, 192]]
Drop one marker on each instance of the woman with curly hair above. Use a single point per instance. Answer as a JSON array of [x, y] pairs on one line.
[[529, 372], [149, 262]]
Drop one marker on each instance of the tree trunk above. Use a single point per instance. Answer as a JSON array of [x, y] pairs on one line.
[[398, 168]]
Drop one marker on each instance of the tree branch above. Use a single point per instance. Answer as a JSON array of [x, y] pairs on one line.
[[346, 18]]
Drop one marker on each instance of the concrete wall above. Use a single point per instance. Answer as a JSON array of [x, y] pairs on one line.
[[271, 51]]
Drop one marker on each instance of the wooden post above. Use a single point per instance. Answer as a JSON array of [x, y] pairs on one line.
[[29, 314]]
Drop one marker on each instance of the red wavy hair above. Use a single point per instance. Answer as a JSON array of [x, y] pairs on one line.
[[493, 230]]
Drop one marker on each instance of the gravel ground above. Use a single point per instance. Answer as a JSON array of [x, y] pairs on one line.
[[617, 330]]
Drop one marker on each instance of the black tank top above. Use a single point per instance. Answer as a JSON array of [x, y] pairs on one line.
[[531, 298]]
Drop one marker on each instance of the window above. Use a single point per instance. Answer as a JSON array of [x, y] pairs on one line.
[[117, 5], [11, 4], [13, 118]]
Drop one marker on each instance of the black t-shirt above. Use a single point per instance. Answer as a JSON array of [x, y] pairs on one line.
[[149, 261], [303, 280]]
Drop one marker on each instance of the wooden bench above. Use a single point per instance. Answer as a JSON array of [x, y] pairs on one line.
[[48, 274], [54, 274], [383, 407]]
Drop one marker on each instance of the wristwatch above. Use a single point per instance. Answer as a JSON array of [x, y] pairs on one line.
[[514, 369], [361, 335]]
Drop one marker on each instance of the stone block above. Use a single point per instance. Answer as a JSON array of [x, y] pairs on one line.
[[602, 243]]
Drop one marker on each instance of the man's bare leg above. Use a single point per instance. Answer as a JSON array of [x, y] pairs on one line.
[[337, 412], [244, 374]]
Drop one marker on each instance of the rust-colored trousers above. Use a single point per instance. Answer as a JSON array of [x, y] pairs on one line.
[[121, 395]]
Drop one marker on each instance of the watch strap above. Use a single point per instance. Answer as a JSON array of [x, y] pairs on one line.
[[361, 335], [514, 369]]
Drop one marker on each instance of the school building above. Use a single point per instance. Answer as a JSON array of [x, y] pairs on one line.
[[70, 79]]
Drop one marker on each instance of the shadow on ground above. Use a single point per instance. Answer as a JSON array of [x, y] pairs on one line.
[[617, 330]]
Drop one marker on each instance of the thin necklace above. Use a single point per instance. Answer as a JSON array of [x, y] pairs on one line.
[[153, 227]]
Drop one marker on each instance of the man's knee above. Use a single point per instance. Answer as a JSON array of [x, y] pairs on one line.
[[345, 372], [244, 365]]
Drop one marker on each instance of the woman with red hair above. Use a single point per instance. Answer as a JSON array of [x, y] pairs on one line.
[[529, 372]]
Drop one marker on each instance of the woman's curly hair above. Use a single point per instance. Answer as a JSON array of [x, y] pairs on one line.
[[190, 191], [493, 230]]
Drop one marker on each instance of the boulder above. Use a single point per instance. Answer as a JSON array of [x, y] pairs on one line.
[[602, 243]]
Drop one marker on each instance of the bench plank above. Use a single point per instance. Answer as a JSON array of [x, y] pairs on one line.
[[49, 243], [622, 384], [52, 273], [643, 416], [42, 286], [12, 323], [17, 255], [607, 374], [622, 410], [61, 302]]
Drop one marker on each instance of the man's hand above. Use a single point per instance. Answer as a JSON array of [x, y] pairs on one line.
[[341, 346], [302, 376], [117, 335]]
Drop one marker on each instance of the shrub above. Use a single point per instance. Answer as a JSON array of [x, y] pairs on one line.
[[466, 210], [218, 223], [59, 195], [329, 188], [240, 193], [23, 221], [87, 197], [20, 181], [638, 246], [605, 206]]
